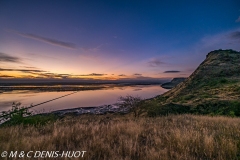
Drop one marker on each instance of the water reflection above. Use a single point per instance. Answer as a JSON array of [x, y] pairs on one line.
[[80, 99]]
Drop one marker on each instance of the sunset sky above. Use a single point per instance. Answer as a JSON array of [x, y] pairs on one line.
[[113, 39]]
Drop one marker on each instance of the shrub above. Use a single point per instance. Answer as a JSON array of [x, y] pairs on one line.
[[223, 80], [167, 109], [16, 114], [229, 108], [22, 115], [130, 103], [188, 97]]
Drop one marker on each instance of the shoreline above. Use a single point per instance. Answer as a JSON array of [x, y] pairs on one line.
[[97, 110]]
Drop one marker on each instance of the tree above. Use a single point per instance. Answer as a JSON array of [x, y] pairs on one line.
[[130, 103]]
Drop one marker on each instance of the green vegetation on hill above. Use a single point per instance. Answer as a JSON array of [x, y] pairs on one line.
[[213, 88]]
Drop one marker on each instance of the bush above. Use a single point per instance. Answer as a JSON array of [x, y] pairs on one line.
[[188, 97], [167, 109], [22, 115], [223, 80], [16, 114], [228, 108], [130, 103]]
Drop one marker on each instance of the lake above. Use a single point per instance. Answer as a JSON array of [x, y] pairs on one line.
[[86, 98]]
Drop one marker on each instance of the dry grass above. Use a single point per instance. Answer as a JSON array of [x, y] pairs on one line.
[[122, 137]]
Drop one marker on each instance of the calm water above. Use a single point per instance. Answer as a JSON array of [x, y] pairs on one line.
[[79, 99]]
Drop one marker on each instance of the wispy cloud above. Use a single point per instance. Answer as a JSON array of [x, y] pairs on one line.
[[21, 70], [137, 74], [144, 78], [238, 20], [38, 73], [225, 40], [6, 76], [46, 39], [197, 52], [155, 62], [7, 58], [171, 71], [235, 35], [97, 74], [28, 67], [93, 49], [93, 74], [122, 75]]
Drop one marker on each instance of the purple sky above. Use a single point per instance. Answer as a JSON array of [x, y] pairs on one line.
[[113, 39]]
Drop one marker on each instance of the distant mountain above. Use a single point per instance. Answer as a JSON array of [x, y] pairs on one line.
[[174, 82], [213, 88]]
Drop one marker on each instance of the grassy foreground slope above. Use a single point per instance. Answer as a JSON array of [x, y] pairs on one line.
[[124, 137], [213, 88]]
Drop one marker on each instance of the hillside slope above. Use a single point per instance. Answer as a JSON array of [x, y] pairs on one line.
[[214, 84], [217, 77]]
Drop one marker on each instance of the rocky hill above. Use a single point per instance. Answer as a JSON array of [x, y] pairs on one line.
[[174, 82], [212, 88]]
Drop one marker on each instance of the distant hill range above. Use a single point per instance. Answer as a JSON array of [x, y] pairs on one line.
[[173, 83], [213, 88]]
